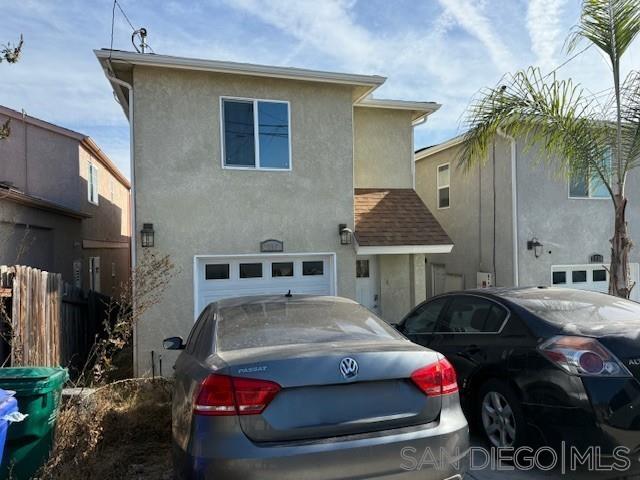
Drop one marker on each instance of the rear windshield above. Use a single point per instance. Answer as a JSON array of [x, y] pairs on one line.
[[274, 324], [581, 312]]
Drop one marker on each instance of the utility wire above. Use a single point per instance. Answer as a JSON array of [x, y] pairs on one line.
[[568, 60]]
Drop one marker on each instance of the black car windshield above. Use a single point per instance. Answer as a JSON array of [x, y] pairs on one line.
[[264, 324], [580, 312]]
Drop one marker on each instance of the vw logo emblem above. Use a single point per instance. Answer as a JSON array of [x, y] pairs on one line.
[[348, 367]]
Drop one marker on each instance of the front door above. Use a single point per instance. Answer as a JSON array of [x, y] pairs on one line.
[[367, 283]]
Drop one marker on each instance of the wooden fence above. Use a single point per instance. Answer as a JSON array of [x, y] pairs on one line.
[[46, 321]]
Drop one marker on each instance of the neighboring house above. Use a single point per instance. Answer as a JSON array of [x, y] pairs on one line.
[[253, 177], [64, 206], [519, 226]]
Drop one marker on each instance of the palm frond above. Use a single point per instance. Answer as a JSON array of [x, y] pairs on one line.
[[630, 103], [611, 25], [554, 115]]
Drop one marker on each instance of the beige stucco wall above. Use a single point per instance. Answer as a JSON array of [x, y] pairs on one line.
[[383, 150], [401, 285], [197, 207]]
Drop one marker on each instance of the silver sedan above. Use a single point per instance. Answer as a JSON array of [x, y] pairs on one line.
[[317, 388]]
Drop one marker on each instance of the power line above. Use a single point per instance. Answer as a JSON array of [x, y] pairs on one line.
[[568, 60], [124, 14]]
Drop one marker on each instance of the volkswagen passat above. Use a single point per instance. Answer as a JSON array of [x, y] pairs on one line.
[[299, 387]]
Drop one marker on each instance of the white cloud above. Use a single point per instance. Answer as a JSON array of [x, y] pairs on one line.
[[469, 15], [546, 30]]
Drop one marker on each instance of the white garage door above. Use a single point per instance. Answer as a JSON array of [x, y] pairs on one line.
[[593, 277], [218, 277]]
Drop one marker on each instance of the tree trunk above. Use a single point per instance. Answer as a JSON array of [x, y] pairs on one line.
[[619, 280]]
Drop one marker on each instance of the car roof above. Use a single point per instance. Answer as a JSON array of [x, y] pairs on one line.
[[511, 293]]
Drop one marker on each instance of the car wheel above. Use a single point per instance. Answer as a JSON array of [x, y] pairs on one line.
[[500, 415]]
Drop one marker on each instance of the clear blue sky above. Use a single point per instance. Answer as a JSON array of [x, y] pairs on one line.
[[435, 50]]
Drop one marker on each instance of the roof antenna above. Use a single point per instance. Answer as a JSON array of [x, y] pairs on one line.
[[142, 33], [288, 294]]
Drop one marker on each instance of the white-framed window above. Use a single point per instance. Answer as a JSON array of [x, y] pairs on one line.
[[443, 179], [591, 186], [256, 134], [92, 184]]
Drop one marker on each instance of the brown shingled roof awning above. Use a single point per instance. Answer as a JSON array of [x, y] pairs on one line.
[[395, 220]]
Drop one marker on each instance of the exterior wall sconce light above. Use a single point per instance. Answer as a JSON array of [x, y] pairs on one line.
[[536, 246], [147, 234], [346, 234]]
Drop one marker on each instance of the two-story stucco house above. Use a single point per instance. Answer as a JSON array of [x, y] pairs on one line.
[[253, 178], [514, 218], [64, 205]]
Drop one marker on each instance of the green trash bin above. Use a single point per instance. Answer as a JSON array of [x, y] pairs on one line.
[[38, 391]]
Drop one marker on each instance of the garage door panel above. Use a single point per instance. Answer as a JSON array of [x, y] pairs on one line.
[[225, 279]]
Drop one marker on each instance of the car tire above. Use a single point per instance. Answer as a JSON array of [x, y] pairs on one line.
[[500, 416]]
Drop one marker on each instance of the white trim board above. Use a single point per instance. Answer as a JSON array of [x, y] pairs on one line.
[[402, 249]]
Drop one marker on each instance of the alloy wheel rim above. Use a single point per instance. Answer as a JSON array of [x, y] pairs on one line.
[[498, 420]]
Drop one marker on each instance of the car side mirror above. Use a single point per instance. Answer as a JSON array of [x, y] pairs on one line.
[[173, 343]]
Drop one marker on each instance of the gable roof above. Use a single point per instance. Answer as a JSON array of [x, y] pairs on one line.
[[84, 140], [395, 220], [433, 149]]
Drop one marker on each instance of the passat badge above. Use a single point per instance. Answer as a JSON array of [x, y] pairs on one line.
[[348, 367]]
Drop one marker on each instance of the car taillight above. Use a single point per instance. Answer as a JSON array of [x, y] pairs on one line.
[[225, 395], [583, 356], [436, 379]]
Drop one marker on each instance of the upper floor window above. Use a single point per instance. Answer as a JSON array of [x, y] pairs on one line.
[[443, 185], [256, 134], [92, 184], [590, 186]]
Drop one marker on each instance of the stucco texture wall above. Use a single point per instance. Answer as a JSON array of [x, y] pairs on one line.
[[482, 237], [401, 285], [570, 229], [197, 207], [383, 149]]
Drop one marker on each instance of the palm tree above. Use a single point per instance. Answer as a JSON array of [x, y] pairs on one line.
[[581, 137]]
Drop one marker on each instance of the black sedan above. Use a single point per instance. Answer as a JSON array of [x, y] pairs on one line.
[[557, 364]]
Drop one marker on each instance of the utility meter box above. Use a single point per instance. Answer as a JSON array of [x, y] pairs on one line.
[[484, 280]]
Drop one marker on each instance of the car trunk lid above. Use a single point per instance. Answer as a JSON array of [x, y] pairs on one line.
[[626, 347], [319, 400]]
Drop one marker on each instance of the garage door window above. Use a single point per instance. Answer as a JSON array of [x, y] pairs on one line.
[[600, 275], [312, 268], [250, 270], [559, 278], [216, 271], [282, 269], [579, 276]]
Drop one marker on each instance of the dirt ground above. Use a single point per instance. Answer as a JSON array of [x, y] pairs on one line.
[[121, 431]]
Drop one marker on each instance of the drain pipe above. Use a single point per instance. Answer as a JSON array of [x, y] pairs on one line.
[[514, 205], [132, 199]]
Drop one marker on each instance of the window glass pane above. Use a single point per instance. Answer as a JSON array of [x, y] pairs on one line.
[[282, 269], [559, 278], [443, 197], [579, 276], [250, 270], [298, 322], [424, 318], [273, 132], [600, 275], [216, 271], [579, 187], [239, 146], [362, 268], [597, 189], [472, 315], [443, 176], [313, 268]]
